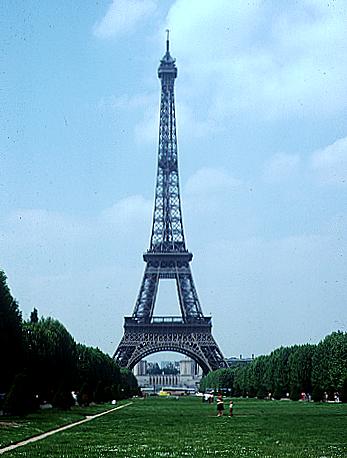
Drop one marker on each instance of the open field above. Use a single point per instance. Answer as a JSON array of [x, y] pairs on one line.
[[187, 427], [15, 429]]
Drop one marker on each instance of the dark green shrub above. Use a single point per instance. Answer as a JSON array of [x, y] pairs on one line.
[[277, 393], [63, 399], [20, 399], [317, 394], [295, 393], [11, 340], [99, 394], [262, 392], [84, 395], [343, 393]]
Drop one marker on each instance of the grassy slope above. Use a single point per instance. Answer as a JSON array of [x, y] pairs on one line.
[[170, 428]]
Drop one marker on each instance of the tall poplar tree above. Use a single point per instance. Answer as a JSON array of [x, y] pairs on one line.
[[10, 335], [329, 364]]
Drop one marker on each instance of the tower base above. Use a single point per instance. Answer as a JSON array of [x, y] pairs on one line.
[[193, 339]]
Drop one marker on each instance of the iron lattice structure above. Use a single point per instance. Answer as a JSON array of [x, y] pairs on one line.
[[168, 258]]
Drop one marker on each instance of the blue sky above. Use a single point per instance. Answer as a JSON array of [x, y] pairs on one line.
[[261, 104]]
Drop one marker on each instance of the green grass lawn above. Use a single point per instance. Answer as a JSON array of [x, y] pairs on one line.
[[15, 429], [188, 428]]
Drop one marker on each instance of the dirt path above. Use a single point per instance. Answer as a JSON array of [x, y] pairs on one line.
[[61, 428]]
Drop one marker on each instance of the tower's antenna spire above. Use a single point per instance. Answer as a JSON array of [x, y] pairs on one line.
[[167, 40]]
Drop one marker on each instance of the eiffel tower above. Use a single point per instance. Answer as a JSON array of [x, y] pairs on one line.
[[168, 258]]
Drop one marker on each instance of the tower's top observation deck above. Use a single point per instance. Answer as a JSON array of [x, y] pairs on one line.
[[167, 64]]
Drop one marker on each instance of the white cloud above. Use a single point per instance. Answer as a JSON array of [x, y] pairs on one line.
[[242, 60], [331, 162], [71, 267], [128, 102], [274, 286], [122, 17], [328, 164], [209, 181], [146, 130], [147, 104], [127, 214], [262, 59], [42, 231], [280, 167], [271, 284], [188, 124], [40, 227]]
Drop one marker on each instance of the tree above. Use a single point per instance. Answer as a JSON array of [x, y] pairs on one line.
[[99, 375], [20, 398], [50, 356], [11, 344], [34, 317], [49, 364], [260, 386], [99, 393], [241, 380], [170, 369], [329, 363], [63, 398], [84, 395], [154, 370], [280, 366], [129, 386], [343, 392], [300, 368]]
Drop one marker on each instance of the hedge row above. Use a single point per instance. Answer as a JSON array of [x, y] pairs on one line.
[[42, 363], [320, 371]]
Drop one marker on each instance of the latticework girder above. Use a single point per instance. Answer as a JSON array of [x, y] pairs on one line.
[[168, 258], [195, 341], [167, 229]]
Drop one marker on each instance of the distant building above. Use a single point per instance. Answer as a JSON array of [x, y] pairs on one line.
[[234, 361], [187, 367], [140, 368], [188, 375], [170, 367]]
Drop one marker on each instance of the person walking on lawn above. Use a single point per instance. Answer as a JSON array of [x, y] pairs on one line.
[[231, 408], [220, 406]]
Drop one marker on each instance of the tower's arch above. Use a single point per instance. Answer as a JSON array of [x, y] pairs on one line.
[[184, 350]]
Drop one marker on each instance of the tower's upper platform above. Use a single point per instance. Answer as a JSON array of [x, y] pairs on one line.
[[167, 64]]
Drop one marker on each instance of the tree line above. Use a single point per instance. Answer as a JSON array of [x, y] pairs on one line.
[[319, 370], [42, 363]]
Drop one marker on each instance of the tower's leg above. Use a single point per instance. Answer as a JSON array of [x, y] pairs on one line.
[[188, 296], [146, 299]]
